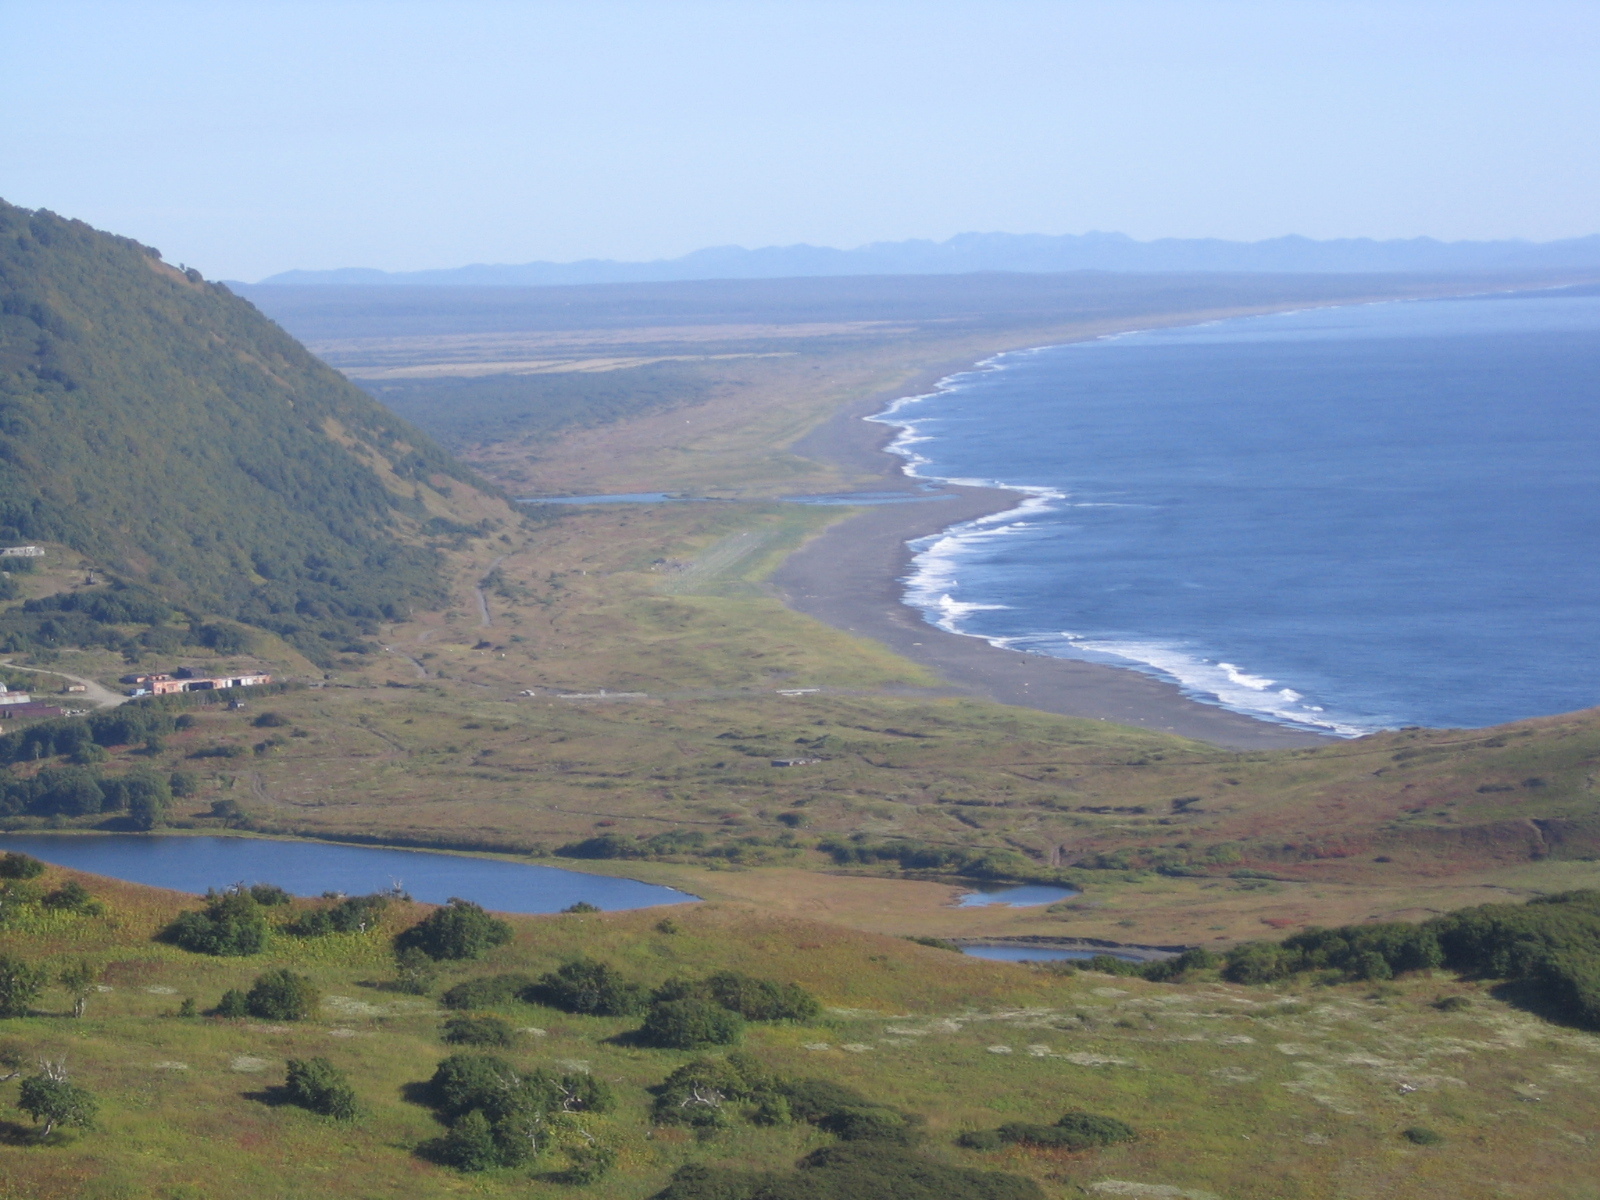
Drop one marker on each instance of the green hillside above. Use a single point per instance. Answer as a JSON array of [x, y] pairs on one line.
[[165, 429]]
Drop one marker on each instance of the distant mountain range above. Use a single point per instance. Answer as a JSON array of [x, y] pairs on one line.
[[970, 252]]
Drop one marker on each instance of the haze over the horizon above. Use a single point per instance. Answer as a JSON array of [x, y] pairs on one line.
[[267, 135]]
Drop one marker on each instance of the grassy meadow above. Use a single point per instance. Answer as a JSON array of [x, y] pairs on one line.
[[1294, 1091]]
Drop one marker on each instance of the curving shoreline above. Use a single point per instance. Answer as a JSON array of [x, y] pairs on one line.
[[849, 577]]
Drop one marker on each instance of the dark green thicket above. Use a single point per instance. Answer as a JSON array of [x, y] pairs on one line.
[[710, 1093], [282, 995], [753, 999], [1074, 1131], [498, 1116], [486, 991], [690, 1024], [464, 1030], [166, 429], [317, 1084], [589, 987], [461, 929], [232, 924], [355, 914], [1549, 946], [851, 1172]]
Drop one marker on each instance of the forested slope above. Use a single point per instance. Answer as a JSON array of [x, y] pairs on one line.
[[166, 429]]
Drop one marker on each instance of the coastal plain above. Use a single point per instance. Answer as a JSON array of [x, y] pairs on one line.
[[690, 692]]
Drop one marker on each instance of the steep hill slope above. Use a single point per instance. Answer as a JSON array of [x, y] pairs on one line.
[[164, 428]]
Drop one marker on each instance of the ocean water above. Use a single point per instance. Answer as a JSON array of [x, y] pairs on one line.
[[1349, 518]]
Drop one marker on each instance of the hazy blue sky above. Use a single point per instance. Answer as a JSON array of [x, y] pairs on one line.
[[250, 136]]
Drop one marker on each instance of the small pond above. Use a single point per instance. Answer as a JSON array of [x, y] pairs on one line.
[[1020, 953], [1028, 895], [193, 864]]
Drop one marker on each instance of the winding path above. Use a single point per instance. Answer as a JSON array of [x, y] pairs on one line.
[[101, 695]]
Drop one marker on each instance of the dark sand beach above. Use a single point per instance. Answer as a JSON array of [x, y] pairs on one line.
[[849, 578]]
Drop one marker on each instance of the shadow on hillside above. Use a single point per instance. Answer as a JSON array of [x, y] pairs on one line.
[[1533, 999]]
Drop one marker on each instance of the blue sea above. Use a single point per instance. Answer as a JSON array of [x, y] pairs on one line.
[[1347, 518]]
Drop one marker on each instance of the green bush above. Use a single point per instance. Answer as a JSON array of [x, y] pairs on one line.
[[354, 914], [73, 897], [459, 930], [1074, 1131], [478, 1031], [20, 985], [590, 988], [1419, 1135], [20, 866], [498, 1117], [753, 999], [855, 1171], [233, 1004], [316, 1084], [486, 991], [232, 924], [53, 1101], [282, 995], [690, 1024]]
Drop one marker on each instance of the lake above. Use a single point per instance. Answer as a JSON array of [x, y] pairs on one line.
[[1029, 895], [194, 864], [1018, 953]]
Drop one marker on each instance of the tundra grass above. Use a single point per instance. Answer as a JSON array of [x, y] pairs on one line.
[[1237, 1092]]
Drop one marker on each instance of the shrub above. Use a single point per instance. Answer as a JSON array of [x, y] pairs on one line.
[[936, 943], [282, 995], [414, 971], [499, 1118], [232, 924], [315, 1083], [1419, 1135], [1074, 1131], [477, 1031], [690, 1024], [53, 1100], [269, 895], [486, 991], [20, 866], [752, 998], [582, 906], [589, 987], [1452, 1003], [232, 1004], [355, 914], [470, 1145], [459, 930], [73, 897], [20, 985], [882, 1171]]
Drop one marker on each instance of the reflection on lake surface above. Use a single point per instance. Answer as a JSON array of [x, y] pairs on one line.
[[1027, 896], [1018, 953], [193, 864]]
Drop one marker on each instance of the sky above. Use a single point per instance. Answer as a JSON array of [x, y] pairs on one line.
[[247, 137]]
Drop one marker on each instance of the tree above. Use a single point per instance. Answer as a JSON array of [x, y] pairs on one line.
[[51, 1099], [149, 797], [20, 985], [470, 1145], [233, 1004], [282, 995], [317, 1084], [461, 929], [593, 988], [79, 980], [690, 1024], [232, 924]]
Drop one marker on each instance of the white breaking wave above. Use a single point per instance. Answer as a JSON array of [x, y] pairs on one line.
[[934, 579]]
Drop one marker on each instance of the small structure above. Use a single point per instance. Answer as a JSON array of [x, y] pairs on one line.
[[168, 685], [21, 552], [27, 711], [7, 696]]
